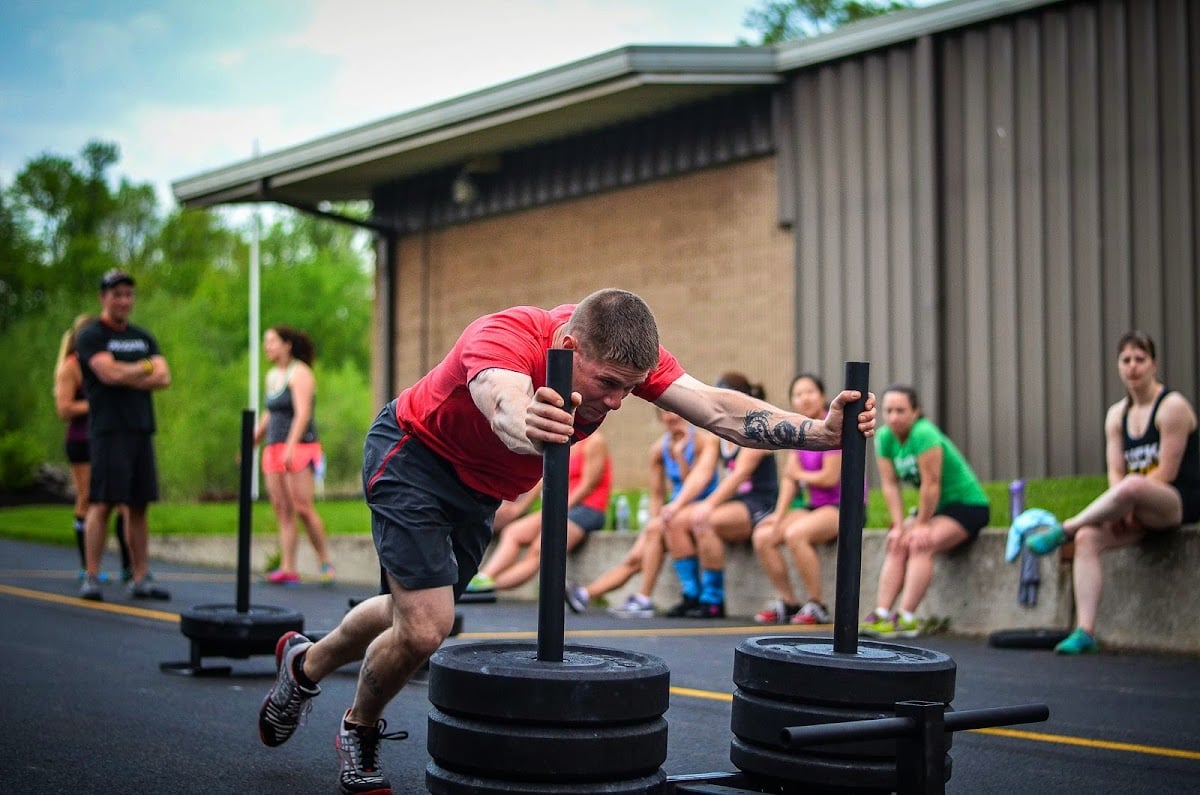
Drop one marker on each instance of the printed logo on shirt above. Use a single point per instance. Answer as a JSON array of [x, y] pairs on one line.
[[1142, 460], [128, 346], [907, 469]]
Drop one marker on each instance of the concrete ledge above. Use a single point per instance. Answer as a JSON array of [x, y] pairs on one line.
[[1149, 604]]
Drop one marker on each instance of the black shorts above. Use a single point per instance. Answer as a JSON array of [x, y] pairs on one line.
[[973, 518], [78, 451], [1191, 505], [123, 469], [759, 506], [430, 528]]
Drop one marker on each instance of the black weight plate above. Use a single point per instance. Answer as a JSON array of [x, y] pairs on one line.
[[1027, 638], [221, 631], [591, 686], [808, 670], [761, 720], [821, 771], [546, 753], [440, 781], [224, 622]]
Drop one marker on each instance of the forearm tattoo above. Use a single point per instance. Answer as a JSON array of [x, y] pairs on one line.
[[784, 435]]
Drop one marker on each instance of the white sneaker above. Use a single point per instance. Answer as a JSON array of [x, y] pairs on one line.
[[636, 606]]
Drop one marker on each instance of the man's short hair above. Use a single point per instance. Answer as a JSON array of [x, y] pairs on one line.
[[616, 326], [113, 277]]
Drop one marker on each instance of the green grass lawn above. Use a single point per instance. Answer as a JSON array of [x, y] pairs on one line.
[[52, 523]]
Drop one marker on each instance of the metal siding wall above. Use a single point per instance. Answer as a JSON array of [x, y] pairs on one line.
[[1032, 385], [1179, 253], [865, 227], [1088, 335], [1004, 373], [1049, 206], [1116, 248], [1194, 73], [955, 158], [1095, 184], [853, 289], [926, 222]]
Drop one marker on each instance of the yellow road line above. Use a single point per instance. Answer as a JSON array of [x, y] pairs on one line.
[[74, 601], [59, 574], [710, 695], [1107, 745]]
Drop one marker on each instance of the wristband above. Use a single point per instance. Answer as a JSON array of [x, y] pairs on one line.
[[147, 366]]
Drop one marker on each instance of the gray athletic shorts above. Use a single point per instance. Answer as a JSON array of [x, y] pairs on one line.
[[430, 528]]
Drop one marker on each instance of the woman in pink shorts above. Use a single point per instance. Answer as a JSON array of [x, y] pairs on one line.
[[291, 451]]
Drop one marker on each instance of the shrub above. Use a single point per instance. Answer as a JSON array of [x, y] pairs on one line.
[[20, 455]]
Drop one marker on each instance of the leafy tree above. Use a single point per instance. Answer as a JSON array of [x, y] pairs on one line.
[[787, 20], [18, 254], [63, 222]]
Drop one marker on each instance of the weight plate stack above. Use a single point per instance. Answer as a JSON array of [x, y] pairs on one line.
[[800, 681], [505, 722], [221, 631]]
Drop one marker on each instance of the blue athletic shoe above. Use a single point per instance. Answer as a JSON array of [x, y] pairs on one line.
[[1078, 642], [1024, 531]]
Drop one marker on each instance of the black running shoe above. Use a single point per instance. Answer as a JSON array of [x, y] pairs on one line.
[[706, 610], [358, 752], [680, 610]]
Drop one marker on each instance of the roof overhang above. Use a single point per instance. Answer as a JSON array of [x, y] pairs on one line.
[[578, 97], [585, 95]]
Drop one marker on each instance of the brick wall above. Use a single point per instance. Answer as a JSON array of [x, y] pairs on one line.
[[702, 249]]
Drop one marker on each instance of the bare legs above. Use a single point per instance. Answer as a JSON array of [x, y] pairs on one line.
[[291, 497], [768, 541], [1119, 517], [802, 535], [136, 538], [908, 560], [392, 635], [645, 556]]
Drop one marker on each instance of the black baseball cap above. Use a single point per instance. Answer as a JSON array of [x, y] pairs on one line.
[[114, 277]]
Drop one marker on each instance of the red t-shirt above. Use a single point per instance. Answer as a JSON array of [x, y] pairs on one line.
[[439, 411]]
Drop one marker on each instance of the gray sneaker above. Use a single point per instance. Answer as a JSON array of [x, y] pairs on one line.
[[90, 590], [636, 606], [146, 588], [577, 598], [288, 700], [358, 753]]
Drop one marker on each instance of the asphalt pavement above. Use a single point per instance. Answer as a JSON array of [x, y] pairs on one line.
[[87, 709]]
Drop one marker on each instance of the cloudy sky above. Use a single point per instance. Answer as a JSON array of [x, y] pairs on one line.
[[183, 86]]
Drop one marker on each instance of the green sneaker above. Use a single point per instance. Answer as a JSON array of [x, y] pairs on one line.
[[1049, 539], [874, 624], [481, 583], [889, 626], [1078, 642]]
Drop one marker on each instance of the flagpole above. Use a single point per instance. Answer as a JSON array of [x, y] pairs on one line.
[[255, 333]]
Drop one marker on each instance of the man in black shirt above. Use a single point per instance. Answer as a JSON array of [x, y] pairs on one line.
[[121, 366]]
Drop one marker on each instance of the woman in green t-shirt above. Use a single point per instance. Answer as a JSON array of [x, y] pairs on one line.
[[951, 509]]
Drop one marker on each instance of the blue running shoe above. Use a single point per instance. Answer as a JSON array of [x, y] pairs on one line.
[[1078, 642]]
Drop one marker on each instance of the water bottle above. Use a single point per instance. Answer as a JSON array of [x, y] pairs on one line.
[[643, 511], [622, 512]]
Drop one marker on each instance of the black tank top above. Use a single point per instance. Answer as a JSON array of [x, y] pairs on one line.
[[283, 411], [1142, 455]]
